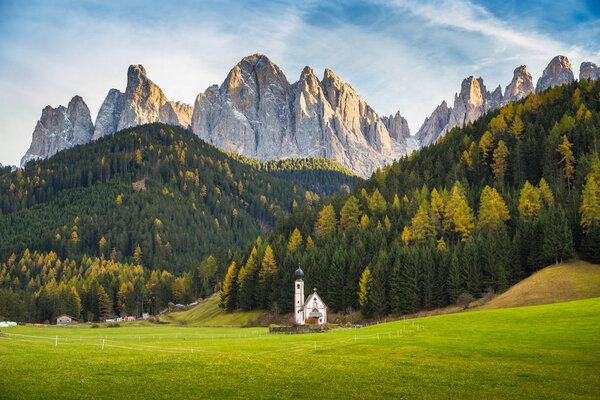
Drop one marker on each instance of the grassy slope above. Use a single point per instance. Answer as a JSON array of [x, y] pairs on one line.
[[208, 313], [573, 280], [549, 351]]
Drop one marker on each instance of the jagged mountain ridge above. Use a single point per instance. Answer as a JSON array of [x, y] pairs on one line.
[[474, 100], [257, 112], [60, 128]]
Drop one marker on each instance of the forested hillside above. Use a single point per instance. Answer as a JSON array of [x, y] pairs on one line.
[[155, 197], [481, 209]]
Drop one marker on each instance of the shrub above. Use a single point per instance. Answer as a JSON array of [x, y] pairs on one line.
[[113, 325], [464, 299], [94, 325]]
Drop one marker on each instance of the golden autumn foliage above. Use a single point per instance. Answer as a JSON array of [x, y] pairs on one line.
[[529, 202], [364, 285], [295, 240], [590, 205], [500, 165], [492, 210]]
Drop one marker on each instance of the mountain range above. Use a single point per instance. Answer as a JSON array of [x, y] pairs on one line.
[[257, 112]]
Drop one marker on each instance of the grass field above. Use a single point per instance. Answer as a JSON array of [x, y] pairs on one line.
[[209, 313], [573, 280], [549, 351]]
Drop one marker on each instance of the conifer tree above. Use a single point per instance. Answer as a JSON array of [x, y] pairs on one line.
[[529, 202], [364, 291], [104, 303], [295, 240], [464, 220], [268, 265], [545, 193], [137, 255], [590, 205], [378, 298], [516, 128], [485, 145], [377, 203], [500, 165], [454, 279], [326, 221], [421, 224], [364, 221], [350, 213], [492, 210], [567, 160], [229, 291], [246, 282], [437, 211]]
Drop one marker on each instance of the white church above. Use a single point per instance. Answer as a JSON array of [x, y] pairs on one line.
[[313, 309]]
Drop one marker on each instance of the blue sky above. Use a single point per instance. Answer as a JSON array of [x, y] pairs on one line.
[[398, 54]]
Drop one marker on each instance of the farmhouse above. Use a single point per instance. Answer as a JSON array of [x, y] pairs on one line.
[[66, 320], [313, 310]]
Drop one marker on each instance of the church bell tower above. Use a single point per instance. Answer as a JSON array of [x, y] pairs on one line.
[[299, 297]]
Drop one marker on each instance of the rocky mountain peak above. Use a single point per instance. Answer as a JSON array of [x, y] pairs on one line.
[[109, 115], [143, 99], [397, 126], [309, 82], [495, 98], [60, 128], [434, 125], [558, 72], [471, 92], [258, 113], [520, 86], [589, 70]]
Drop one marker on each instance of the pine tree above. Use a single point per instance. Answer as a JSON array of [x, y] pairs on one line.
[[590, 248], [454, 279], [500, 165], [529, 202], [378, 298], [409, 283], [229, 291], [74, 305], [516, 128], [590, 205], [268, 265], [485, 145], [377, 203], [364, 291], [350, 213], [437, 211], [568, 160], [246, 282], [364, 221], [464, 221], [421, 224], [137, 255], [104, 303], [492, 210], [295, 240], [545, 193], [326, 221]]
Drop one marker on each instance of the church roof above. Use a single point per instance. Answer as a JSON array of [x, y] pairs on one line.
[[314, 295]]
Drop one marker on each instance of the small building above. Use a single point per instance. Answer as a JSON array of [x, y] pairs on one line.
[[313, 309], [66, 320]]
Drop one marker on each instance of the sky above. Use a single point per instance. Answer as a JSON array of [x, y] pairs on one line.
[[397, 54]]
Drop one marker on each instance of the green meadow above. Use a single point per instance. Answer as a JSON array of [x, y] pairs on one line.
[[548, 351]]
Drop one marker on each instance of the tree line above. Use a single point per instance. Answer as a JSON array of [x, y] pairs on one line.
[[481, 209]]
